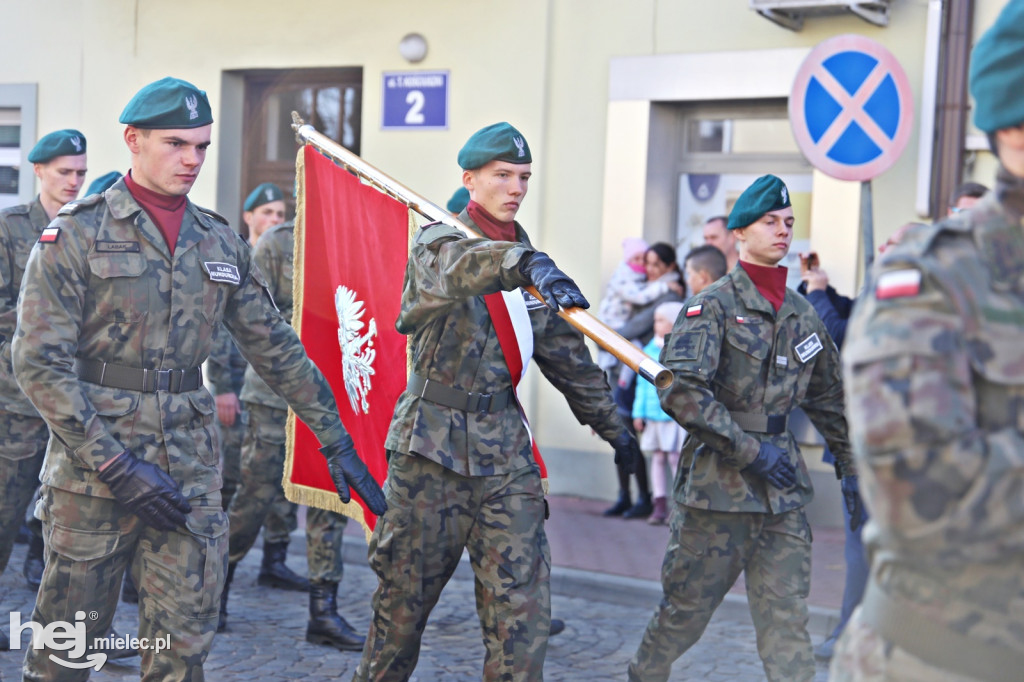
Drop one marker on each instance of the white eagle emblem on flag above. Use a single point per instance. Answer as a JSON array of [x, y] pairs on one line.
[[357, 351]]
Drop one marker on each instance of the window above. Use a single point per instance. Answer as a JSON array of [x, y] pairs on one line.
[[329, 99]]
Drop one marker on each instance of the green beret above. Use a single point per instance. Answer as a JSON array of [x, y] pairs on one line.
[[768, 193], [498, 142], [997, 72], [459, 200], [263, 194], [103, 183], [167, 104], [66, 142]]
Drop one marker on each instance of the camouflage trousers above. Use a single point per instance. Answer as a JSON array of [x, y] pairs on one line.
[[862, 655], [282, 517], [22, 450], [263, 453], [706, 553], [91, 541], [433, 514]]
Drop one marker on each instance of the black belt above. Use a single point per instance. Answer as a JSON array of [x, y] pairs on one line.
[[467, 401], [760, 423], [136, 379]]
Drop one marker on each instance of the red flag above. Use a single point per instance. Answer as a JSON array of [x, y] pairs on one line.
[[351, 249]]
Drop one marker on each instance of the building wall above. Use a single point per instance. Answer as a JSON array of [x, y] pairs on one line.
[[547, 66]]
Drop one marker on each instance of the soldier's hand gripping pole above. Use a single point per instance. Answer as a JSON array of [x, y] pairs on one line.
[[599, 332]]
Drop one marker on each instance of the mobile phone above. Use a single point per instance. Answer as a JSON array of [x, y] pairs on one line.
[[808, 262]]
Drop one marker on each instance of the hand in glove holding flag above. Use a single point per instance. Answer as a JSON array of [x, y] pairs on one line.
[[555, 286], [348, 471]]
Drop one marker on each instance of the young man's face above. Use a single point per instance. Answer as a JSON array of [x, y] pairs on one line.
[[766, 241], [61, 178], [696, 280], [499, 187], [262, 218], [167, 161]]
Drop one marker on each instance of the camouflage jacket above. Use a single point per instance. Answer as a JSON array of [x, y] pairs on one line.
[[934, 364], [731, 352], [225, 368], [19, 229], [454, 343], [274, 254], [109, 290]]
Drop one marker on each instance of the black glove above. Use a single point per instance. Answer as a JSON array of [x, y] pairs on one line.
[[554, 286], [348, 470], [146, 490], [771, 464], [854, 505], [627, 452]]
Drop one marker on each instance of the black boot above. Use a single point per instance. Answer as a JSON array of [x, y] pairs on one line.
[[33, 569], [624, 503], [222, 620], [273, 572], [641, 510], [325, 625], [129, 593], [557, 626]]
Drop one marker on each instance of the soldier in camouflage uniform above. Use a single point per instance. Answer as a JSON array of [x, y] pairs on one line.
[[461, 474], [120, 301], [263, 209], [263, 455], [935, 386], [59, 161], [745, 352]]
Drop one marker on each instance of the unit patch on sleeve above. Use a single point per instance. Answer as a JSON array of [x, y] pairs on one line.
[[223, 272], [49, 235], [809, 347], [694, 310], [898, 284]]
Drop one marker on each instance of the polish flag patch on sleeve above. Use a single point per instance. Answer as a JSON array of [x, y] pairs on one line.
[[694, 310], [49, 235], [898, 284]]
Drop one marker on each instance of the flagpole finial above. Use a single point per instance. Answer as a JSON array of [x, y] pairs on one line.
[[297, 125]]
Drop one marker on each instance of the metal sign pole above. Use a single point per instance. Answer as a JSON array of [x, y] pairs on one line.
[[867, 225]]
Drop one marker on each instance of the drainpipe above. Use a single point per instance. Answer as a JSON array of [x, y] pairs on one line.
[[951, 104], [926, 123]]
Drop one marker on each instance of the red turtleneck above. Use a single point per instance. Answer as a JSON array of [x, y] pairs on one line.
[[166, 211], [489, 225], [770, 282]]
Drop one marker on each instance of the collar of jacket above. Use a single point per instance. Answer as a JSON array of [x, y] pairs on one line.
[[752, 299], [521, 235], [194, 224], [998, 231]]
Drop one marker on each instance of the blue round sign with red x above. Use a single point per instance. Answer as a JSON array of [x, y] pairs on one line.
[[851, 109]]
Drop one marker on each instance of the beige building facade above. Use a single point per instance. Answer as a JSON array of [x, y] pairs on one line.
[[644, 117]]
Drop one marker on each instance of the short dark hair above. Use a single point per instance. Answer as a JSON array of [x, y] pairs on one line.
[[975, 190], [709, 259], [723, 218]]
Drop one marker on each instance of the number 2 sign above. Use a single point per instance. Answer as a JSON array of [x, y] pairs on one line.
[[415, 99]]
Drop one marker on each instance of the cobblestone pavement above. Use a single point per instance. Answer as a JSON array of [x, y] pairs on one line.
[[266, 642]]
